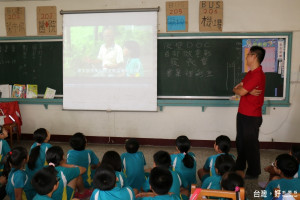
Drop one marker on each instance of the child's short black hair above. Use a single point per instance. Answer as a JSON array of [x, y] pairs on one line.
[[44, 180], [112, 158], [78, 141], [223, 143], [162, 159], [132, 145], [160, 180], [230, 180], [287, 164], [295, 151], [104, 178], [40, 135], [54, 155], [224, 163]]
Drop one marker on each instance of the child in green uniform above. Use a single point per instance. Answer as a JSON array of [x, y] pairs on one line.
[[45, 183]]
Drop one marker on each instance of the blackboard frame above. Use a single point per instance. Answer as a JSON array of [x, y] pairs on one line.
[[284, 102]]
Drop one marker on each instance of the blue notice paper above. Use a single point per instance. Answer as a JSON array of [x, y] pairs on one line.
[[176, 23]]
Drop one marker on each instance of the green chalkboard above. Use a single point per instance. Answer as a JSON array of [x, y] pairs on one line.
[[204, 68], [32, 62]]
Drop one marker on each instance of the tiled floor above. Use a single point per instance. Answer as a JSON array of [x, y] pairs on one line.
[[267, 157]]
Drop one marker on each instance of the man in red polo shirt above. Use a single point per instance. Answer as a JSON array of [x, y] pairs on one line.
[[249, 117]]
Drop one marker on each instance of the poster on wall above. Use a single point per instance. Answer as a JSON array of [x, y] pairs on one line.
[[15, 21], [269, 63], [211, 16], [46, 20], [177, 16]]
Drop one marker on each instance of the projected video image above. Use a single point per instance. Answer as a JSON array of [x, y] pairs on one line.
[[109, 51]]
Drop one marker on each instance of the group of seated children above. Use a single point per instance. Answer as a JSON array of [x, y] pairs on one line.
[[48, 175]]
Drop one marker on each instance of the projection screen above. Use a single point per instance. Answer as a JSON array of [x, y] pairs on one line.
[[110, 61]]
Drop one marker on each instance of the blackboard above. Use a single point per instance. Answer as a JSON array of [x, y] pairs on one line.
[[32, 62], [204, 68]]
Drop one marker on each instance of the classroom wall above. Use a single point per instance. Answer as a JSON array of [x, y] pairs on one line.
[[280, 124]]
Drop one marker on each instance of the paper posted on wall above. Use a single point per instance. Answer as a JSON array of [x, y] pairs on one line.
[[50, 93]]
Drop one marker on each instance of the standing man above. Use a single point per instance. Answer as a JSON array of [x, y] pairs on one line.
[[249, 116]]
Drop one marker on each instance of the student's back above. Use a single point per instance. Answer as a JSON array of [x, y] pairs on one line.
[[84, 158], [133, 168], [64, 192], [160, 180], [105, 186], [67, 174], [222, 146], [41, 160], [175, 188], [223, 164], [17, 180], [117, 193], [184, 162], [37, 154], [113, 159], [45, 182], [162, 159], [189, 174], [133, 162]]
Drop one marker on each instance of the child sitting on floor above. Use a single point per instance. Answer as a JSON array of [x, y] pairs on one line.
[[224, 163], [295, 152], [17, 181], [221, 146], [133, 162], [37, 156], [184, 162], [286, 166], [105, 186], [45, 183], [113, 159], [85, 158], [160, 182], [67, 173], [162, 159], [231, 180]]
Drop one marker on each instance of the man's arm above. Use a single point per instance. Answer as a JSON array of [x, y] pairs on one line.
[[255, 92], [239, 90]]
